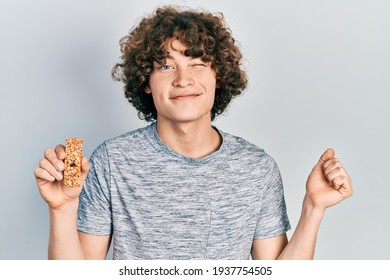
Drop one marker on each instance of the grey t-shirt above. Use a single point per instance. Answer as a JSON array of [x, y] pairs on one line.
[[158, 204]]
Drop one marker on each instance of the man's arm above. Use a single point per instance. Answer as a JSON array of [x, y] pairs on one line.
[[301, 245], [95, 246], [65, 242], [269, 248], [327, 185]]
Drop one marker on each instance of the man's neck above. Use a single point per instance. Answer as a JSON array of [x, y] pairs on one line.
[[191, 139]]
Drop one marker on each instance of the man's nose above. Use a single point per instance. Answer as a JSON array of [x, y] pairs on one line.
[[183, 78]]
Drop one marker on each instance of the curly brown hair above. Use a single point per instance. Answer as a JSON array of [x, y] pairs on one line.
[[204, 34]]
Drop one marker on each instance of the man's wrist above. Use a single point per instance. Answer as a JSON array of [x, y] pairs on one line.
[[70, 207], [309, 210]]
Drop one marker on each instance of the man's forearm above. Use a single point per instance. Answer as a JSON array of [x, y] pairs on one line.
[[303, 241], [64, 242]]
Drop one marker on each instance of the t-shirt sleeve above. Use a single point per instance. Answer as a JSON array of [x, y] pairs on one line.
[[273, 219], [94, 213]]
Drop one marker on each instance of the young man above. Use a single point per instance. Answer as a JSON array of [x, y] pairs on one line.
[[180, 188]]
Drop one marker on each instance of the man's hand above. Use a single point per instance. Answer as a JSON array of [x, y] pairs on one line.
[[328, 183], [49, 176]]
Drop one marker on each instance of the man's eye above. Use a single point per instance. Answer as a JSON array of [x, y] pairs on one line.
[[199, 65], [165, 67]]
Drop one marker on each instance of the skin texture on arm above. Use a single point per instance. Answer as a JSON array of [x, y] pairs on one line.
[[65, 241], [269, 248], [95, 247], [327, 185]]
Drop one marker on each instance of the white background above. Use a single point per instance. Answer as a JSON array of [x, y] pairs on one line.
[[319, 77]]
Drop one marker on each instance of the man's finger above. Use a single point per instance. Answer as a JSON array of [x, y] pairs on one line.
[[52, 157], [46, 165], [60, 151], [342, 185], [42, 174], [85, 166], [327, 155]]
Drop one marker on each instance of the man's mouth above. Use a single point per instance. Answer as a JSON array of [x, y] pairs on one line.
[[184, 96]]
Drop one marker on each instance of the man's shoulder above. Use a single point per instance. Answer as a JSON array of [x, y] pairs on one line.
[[245, 153], [237, 144], [138, 134], [136, 139]]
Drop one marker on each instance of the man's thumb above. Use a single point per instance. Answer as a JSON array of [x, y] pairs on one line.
[[85, 166], [327, 155]]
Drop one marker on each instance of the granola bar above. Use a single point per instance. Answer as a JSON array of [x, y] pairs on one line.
[[72, 172]]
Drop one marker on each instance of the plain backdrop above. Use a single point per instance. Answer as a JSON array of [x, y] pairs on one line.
[[319, 75]]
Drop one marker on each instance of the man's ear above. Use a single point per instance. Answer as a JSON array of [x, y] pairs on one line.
[[147, 89]]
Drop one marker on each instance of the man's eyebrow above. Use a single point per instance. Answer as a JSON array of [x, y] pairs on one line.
[[163, 60], [169, 56]]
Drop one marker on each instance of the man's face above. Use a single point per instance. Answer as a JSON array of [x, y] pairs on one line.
[[183, 88]]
